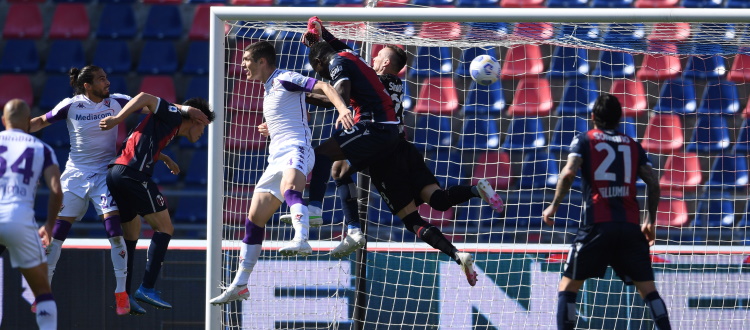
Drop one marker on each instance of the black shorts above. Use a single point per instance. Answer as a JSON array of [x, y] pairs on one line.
[[620, 245], [401, 175], [366, 143], [134, 192]]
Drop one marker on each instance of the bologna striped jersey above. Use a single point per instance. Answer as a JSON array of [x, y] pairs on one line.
[[609, 172], [369, 99]]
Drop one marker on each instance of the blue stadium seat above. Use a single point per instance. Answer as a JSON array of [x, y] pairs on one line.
[[197, 87], [738, 4], [478, 3], [191, 209], [567, 128], [448, 167], [743, 139], [113, 56], [117, 22], [240, 31], [163, 22], [567, 3], [745, 222], [705, 67], [615, 65], [158, 57], [407, 102], [581, 31], [333, 3], [56, 88], [468, 54], [631, 35], [65, 54], [578, 97], [569, 62], [431, 62], [729, 171], [62, 153], [162, 175], [720, 98], [476, 214], [480, 131], [196, 61], [56, 135], [117, 1], [702, 3], [205, 1], [713, 212], [529, 214], [710, 134], [197, 171], [432, 3], [24, 57], [723, 31], [297, 3], [677, 96], [612, 3], [539, 170], [293, 55], [524, 133], [117, 84], [248, 167], [432, 131], [628, 127], [476, 29], [484, 99]]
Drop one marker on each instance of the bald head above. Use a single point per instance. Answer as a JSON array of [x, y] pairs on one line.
[[16, 114]]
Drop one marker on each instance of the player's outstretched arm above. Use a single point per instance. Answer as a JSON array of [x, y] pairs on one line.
[[171, 164], [649, 176], [564, 182], [135, 104], [52, 178], [37, 123], [345, 115]]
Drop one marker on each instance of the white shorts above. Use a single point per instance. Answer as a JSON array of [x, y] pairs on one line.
[[299, 157], [21, 237], [79, 188]]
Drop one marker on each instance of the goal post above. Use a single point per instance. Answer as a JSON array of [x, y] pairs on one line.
[[518, 139]]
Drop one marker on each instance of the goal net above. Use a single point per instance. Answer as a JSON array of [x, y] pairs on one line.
[[682, 80]]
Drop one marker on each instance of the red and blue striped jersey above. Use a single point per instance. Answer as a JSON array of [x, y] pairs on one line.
[[609, 172], [368, 96]]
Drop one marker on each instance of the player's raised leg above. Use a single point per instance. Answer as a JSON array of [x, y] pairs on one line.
[[292, 183], [54, 248], [163, 229], [346, 191], [132, 231], [119, 255]]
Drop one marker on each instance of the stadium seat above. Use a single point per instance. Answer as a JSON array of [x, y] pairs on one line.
[[729, 171], [432, 131], [484, 99], [534, 30], [524, 133], [480, 131], [437, 218], [15, 86], [163, 2], [197, 173], [235, 209], [439, 30], [70, 21], [494, 166], [293, 56], [533, 97], [117, 21], [247, 169], [705, 67], [568, 62], [669, 32], [211, 2], [632, 96], [159, 85], [448, 167], [743, 139], [702, 3], [720, 98], [681, 172], [672, 212], [478, 29], [658, 67], [539, 170], [199, 29], [197, 87], [663, 134], [468, 54], [196, 61], [297, 3], [56, 135], [56, 88], [522, 61], [478, 3], [578, 97], [117, 1], [522, 3], [432, 3], [738, 4], [714, 212], [158, 57], [243, 134], [163, 22], [612, 3], [24, 57], [251, 2], [431, 62], [567, 3], [162, 175], [341, 3], [740, 71], [407, 101], [476, 213], [630, 35], [63, 55], [710, 135], [62, 154], [677, 96], [437, 96], [191, 209], [615, 65], [628, 127], [117, 84], [113, 56], [246, 95], [722, 31], [23, 21], [567, 128], [656, 3]]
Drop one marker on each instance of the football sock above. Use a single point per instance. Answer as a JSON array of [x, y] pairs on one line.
[[249, 255], [130, 246], [429, 234], [46, 312], [299, 212], [658, 311], [566, 310], [346, 190], [118, 251], [442, 199], [59, 234], [156, 252]]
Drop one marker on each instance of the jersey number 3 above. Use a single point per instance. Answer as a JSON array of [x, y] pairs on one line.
[[602, 172]]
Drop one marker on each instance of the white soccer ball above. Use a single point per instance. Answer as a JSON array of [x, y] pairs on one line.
[[484, 69]]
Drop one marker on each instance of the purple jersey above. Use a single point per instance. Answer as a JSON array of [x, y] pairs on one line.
[[23, 159]]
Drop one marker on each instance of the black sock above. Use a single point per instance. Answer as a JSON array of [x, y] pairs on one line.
[[130, 246], [566, 310], [346, 190], [443, 199], [156, 252], [430, 235], [320, 175], [658, 311]]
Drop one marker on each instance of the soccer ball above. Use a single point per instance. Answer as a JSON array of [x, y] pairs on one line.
[[484, 69]]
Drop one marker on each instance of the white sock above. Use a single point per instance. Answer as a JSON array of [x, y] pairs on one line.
[[301, 226], [53, 255], [249, 255], [354, 231], [119, 255], [46, 315]]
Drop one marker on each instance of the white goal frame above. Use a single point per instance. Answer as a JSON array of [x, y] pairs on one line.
[[369, 14]]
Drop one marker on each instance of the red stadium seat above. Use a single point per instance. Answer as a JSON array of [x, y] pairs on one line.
[[682, 172], [70, 21], [522, 61], [22, 1], [669, 32], [24, 21], [658, 67], [534, 30], [494, 166], [663, 134], [235, 211], [440, 30], [533, 98], [243, 134], [631, 95], [246, 96], [522, 3], [656, 3], [163, 2], [740, 71], [746, 111], [252, 2], [435, 217], [161, 86], [672, 212], [392, 3], [200, 28], [15, 86], [437, 96]]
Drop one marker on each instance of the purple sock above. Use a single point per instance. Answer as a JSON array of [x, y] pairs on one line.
[[293, 197], [44, 297], [61, 229], [112, 226], [253, 234]]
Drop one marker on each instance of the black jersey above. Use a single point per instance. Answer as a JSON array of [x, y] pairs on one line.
[[395, 88]]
